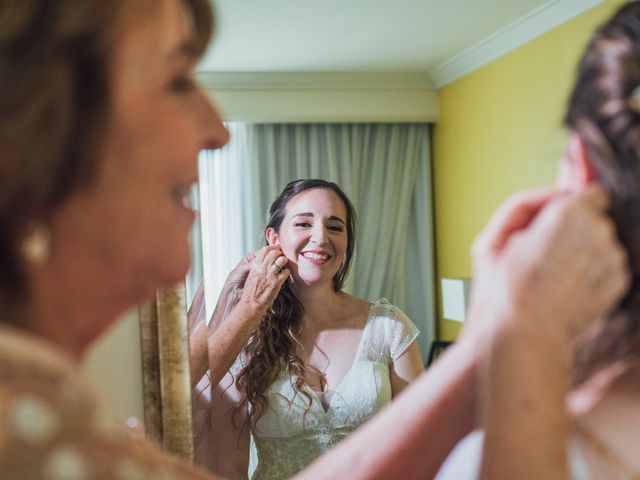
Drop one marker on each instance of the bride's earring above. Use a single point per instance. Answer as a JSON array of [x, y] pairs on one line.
[[36, 245]]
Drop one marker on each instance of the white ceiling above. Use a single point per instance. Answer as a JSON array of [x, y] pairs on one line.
[[366, 35]]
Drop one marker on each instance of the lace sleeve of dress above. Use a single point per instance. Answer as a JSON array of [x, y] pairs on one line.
[[53, 433], [399, 330]]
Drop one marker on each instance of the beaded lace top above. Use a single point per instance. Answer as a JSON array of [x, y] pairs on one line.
[[287, 440], [53, 427]]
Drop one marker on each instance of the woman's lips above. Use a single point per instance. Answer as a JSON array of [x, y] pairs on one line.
[[316, 258]]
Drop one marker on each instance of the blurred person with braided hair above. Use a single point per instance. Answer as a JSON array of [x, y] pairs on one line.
[[596, 434]]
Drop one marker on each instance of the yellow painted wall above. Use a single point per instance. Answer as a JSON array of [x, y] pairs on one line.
[[500, 131]]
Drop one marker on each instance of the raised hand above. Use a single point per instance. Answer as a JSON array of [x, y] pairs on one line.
[[552, 258], [256, 279], [250, 290], [547, 266], [267, 273]]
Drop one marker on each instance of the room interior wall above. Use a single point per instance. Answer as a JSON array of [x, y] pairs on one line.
[[500, 131], [113, 366]]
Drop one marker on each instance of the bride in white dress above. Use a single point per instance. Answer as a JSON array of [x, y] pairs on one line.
[[322, 361]]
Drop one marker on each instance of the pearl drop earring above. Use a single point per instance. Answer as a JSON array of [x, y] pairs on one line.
[[36, 245]]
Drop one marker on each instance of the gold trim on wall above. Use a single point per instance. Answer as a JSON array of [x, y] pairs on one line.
[[165, 371]]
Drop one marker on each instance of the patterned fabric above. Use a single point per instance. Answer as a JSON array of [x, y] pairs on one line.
[[52, 429], [287, 439]]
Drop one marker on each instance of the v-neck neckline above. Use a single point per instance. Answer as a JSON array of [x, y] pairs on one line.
[[317, 394]]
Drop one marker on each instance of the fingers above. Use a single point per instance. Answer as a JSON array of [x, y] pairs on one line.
[[279, 269], [522, 208], [577, 220], [279, 264], [596, 197], [263, 256], [608, 270], [556, 255], [267, 254], [620, 277], [512, 216], [248, 258], [238, 276], [267, 274], [273, 259], [244, 265]]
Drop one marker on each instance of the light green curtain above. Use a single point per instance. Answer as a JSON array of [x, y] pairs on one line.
[[385, 170]]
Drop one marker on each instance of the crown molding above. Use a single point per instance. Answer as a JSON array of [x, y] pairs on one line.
[[316, 81], [327, 106], [298, 97], [539, 21]]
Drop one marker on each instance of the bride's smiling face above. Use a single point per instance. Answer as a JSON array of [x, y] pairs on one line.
[[313, 235]]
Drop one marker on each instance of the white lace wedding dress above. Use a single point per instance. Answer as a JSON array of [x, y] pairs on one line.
[[287, 440]]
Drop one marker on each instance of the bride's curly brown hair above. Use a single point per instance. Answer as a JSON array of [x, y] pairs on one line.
[[273, 347]]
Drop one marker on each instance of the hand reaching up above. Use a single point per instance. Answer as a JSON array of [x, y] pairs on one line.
[[551, 259], [547, 266], [256, 279], [267, 273]]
